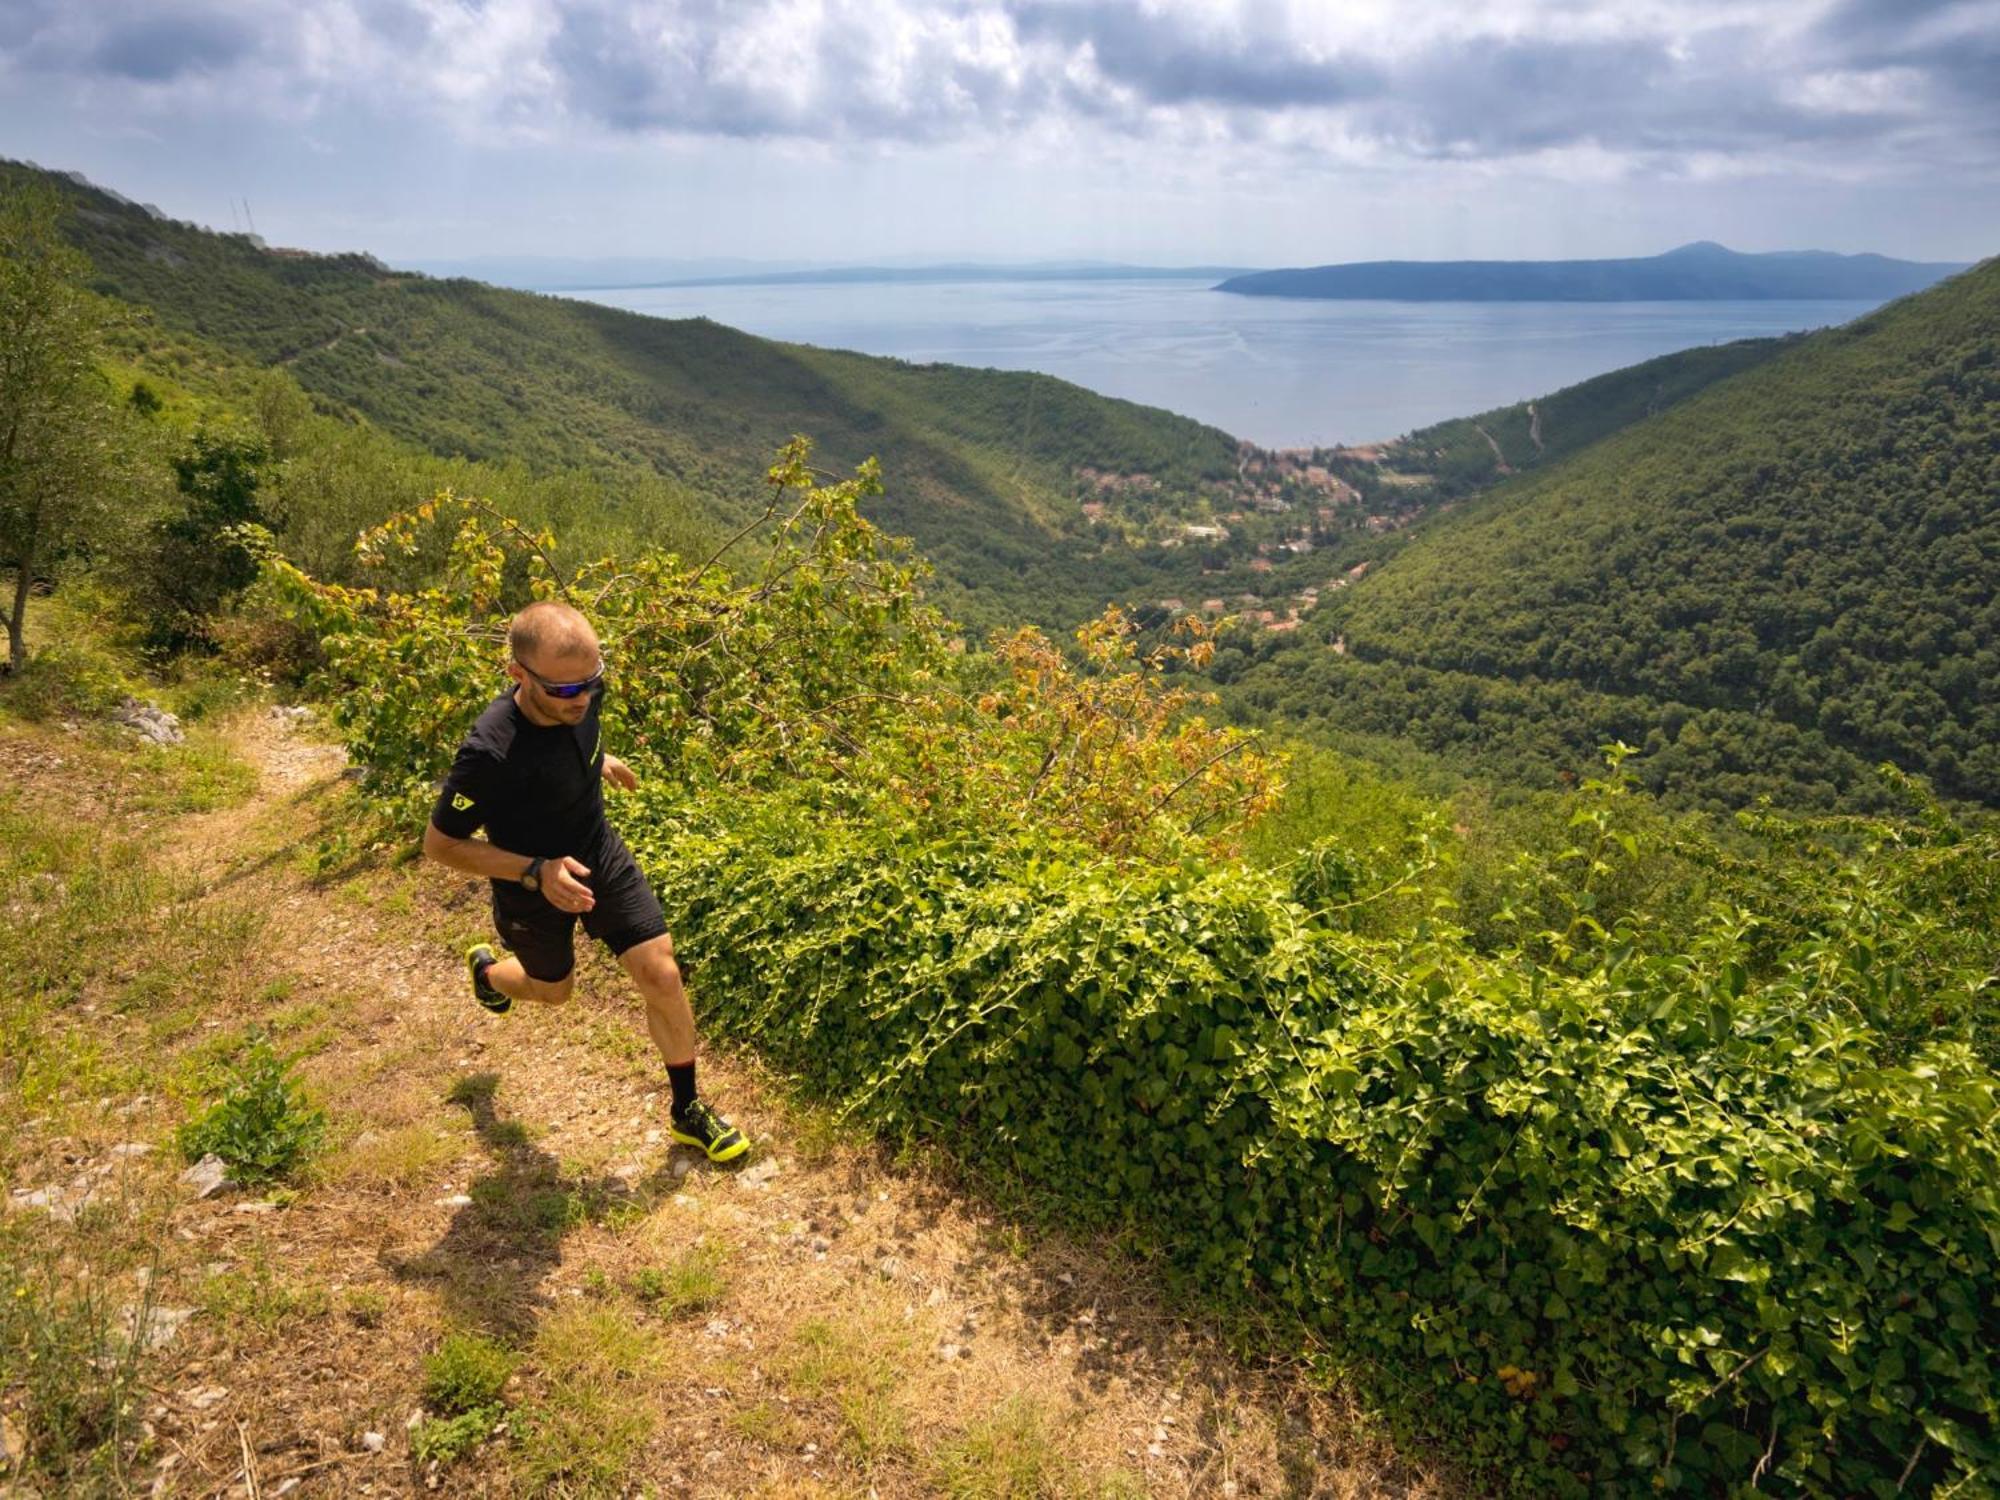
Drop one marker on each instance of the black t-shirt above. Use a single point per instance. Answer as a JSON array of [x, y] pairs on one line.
[[536, 790]]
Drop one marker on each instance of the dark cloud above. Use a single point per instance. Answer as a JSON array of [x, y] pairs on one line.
[[1170, 59], [1502, 98], [1952, 46], [687, 68], [154, 43], [158, 49]]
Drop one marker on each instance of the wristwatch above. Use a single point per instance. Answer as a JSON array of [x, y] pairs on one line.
[[532, 876]]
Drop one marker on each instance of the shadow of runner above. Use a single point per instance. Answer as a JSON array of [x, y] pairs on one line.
[[490, 1263]]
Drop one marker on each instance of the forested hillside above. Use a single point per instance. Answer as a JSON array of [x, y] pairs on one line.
[[1768, 588], [981, 467]]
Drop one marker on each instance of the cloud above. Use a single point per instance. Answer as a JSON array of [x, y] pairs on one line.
[[1174, 58], [1651, 84]]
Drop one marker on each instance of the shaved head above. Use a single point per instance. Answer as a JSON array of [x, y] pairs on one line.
[[549, 630]]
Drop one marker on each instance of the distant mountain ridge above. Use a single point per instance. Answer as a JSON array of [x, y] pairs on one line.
[[1700, 272]]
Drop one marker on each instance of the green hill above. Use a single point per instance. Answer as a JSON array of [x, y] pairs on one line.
[[1770, 587], [981, 467]]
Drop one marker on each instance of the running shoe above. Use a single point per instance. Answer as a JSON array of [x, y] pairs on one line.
[[477, 958], [703, 1127]]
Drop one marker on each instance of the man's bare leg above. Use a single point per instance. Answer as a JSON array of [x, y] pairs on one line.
[[669, 1018], [510, 979], [670, 1022]]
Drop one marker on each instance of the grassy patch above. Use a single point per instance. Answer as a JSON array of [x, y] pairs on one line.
[[254, 1297], [769, 1424], [691, 1283], [588, 1425], [77, 904], [399, 1157], [857, 1364], [71, 1297], [366, 1306], [1009, 1455], [199, 775]]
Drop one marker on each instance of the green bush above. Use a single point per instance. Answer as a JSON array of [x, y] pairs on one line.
[[262, 1126], [445, 1440], [76, 679], [1636, 1218], [466, 1373]]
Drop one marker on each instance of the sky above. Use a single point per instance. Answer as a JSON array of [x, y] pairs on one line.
[[1162, 132]]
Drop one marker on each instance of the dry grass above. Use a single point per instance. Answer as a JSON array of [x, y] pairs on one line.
[[820, 1320]]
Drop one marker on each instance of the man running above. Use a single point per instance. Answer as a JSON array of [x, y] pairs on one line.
[[532, 773]]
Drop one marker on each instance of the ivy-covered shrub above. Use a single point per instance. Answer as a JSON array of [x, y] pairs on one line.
[[1639, 1225]]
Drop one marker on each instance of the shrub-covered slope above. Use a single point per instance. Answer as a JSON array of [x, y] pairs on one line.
[[980, 466], [1768, 587], [1680, 1197]]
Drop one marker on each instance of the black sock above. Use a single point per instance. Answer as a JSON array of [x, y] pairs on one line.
[[681, 1076]]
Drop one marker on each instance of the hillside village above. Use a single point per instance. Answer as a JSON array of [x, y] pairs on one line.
[[1283, 504]]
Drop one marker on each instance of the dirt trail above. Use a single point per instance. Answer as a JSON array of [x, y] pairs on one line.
[[498, 1173], [1499, 458]]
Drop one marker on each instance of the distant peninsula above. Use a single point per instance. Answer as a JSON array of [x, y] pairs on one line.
[[1700, 272]]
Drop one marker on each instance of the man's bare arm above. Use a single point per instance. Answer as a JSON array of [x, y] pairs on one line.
[[560, 883], [473, 856]]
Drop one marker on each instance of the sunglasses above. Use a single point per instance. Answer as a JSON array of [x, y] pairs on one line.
[[589, 684]]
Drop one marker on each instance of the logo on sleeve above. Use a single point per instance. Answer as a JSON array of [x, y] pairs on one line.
[[460, 802]]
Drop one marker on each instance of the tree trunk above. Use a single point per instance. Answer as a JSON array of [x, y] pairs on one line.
[[24, 579]]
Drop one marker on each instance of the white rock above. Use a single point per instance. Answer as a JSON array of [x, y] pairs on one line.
[[456, 1200], [148, 722], [374, 1442], [652, 1137], [207, 1396], [207, 1175], [132, 1148], [261, 1206], [758, 1174], [949, 1351], [161, 1327]]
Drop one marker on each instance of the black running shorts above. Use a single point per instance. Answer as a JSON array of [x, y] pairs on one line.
[[543, 937]]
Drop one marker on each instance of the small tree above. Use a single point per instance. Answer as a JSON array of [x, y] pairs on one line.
[[193, 566], [60, 451]]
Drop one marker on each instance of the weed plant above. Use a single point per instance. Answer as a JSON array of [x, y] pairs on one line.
[[262, 1126]]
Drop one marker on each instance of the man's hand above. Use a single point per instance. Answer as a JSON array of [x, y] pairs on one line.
[[619, 774], [565, 891]]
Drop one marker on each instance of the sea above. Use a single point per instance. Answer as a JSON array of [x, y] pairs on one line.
[[1283, 372]]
